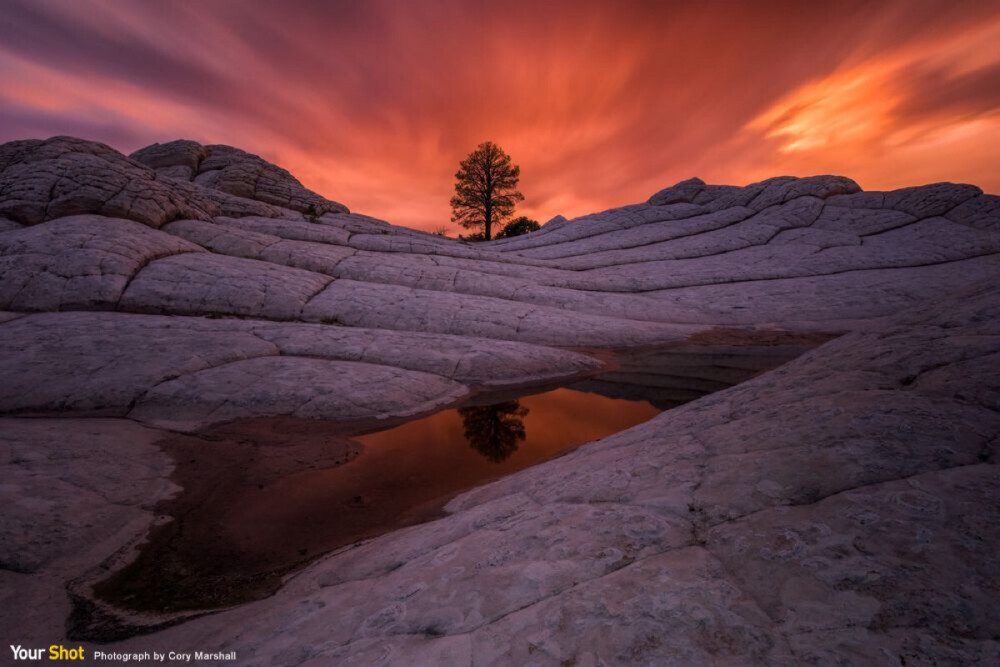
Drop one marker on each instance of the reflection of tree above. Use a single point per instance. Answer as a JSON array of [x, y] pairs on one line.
[[494, 430]]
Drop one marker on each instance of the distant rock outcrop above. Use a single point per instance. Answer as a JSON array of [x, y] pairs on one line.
[[757, 196], [235, 172], [683, 192], [844, 504], [43, 180]]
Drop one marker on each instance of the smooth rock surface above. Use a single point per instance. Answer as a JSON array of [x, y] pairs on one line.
[[305, 388], [115, 361], [66, 508], [720, 531], [78, 263], [841, 509]]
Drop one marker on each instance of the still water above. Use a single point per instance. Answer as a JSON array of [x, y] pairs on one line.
[[263, 497]]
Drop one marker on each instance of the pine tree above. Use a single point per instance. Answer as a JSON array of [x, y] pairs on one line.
[[485, 189]]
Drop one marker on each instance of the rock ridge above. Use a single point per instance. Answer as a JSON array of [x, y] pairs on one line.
[[841, 507]]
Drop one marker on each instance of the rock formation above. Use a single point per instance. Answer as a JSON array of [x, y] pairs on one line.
[[235, 172], [842, 508]]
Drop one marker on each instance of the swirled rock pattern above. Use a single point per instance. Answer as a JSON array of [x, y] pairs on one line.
[[841, 509], [235, 172]]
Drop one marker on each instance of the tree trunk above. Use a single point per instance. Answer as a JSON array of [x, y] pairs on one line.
[[488, 218]]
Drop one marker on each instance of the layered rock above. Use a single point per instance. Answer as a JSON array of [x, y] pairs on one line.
[[234, 172], [187, 372], [841, 507], [43, 180]]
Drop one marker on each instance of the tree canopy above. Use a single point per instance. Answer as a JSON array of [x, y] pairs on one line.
[[495, 430], [485, 189], [518, 226]]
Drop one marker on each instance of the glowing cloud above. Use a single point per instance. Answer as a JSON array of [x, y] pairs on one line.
[[923, 111], [375, 103]]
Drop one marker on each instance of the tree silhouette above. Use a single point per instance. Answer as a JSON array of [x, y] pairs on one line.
[[494, 430], [519, 226], [485, 189]]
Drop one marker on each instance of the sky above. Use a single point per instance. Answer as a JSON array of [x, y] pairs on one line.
[[374, 103]]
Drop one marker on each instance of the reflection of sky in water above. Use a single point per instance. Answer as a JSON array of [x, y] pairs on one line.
[[403, 474], [240, 542], [403, 471], [513, 434]]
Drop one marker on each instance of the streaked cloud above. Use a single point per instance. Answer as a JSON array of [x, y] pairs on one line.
[[926, 110], [375, 103]]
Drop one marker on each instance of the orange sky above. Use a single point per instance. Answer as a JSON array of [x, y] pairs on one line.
[[601, 104]]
